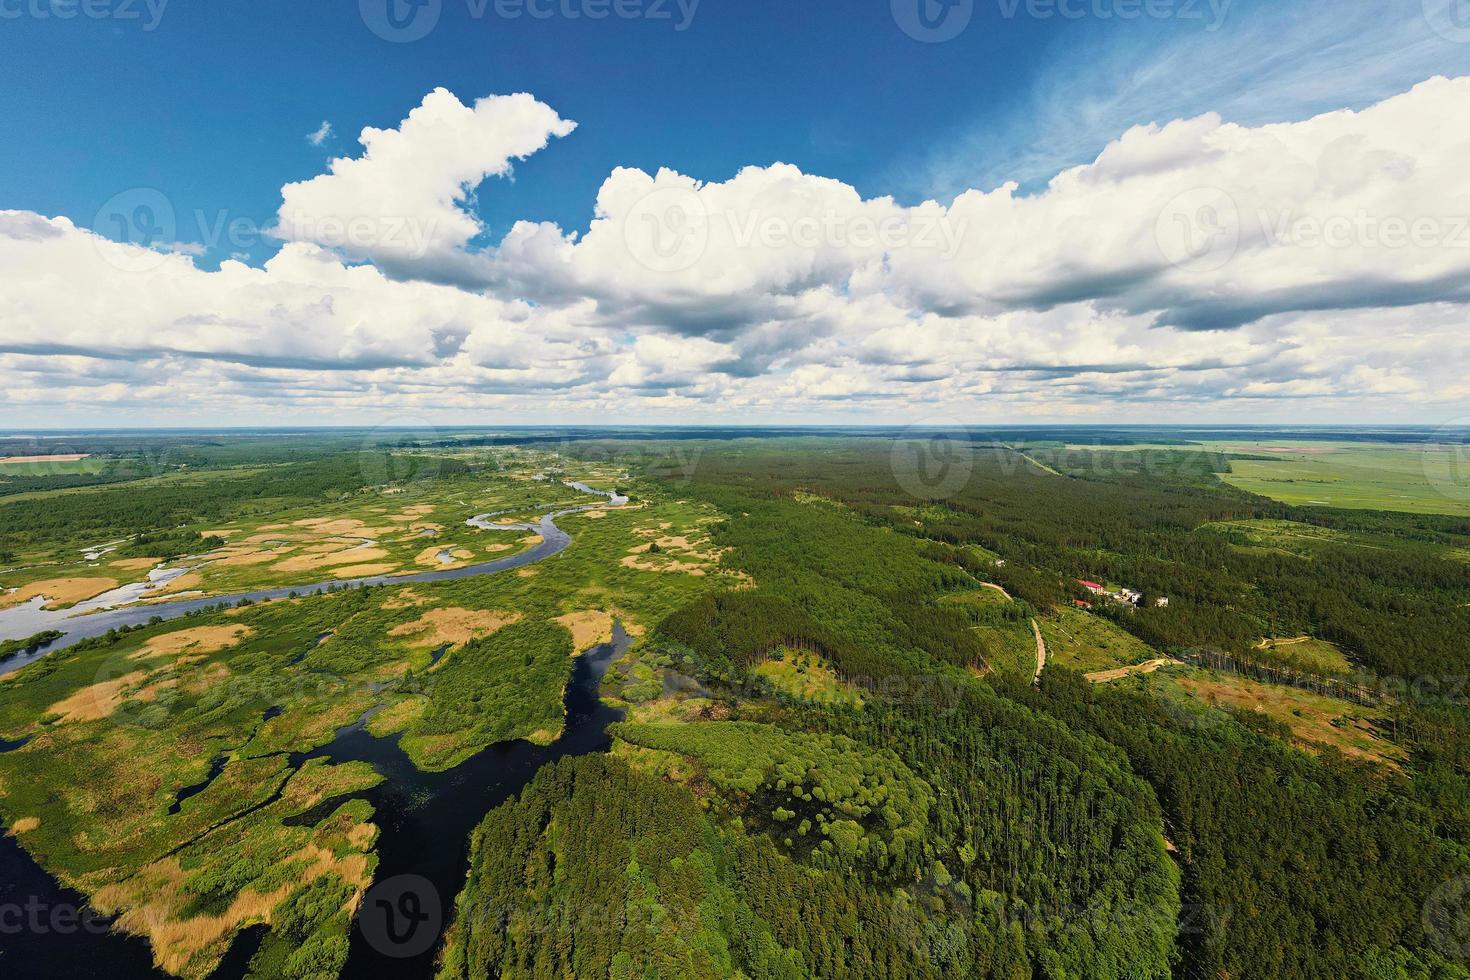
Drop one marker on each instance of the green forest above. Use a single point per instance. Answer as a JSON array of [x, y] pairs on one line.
[[898, 799]]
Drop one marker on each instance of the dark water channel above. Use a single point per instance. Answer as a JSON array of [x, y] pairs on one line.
[[425, 819]]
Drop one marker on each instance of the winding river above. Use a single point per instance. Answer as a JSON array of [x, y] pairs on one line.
[[425, 818], [95, 617]]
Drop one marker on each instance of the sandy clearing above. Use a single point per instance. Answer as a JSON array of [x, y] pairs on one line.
[[1040, 652], [528, 572], [497, 548], [453, 626], [60, 591], [97, 701], [588, 628], [1271, 641], [24, 825], [532, 540], [1117, 674]]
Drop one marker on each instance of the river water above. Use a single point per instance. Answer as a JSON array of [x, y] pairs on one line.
[[96, 616], [425, 818]]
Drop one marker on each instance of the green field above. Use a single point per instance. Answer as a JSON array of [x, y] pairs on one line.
[[1352, 475], [1355, 476]]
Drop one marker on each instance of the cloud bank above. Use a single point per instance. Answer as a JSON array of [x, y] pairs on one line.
[[1195, 269]]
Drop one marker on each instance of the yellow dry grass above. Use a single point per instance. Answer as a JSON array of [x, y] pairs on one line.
[[331, 526], [364, 571], [398, 716], [187, 582], [59, 591], [588, 628], [528, 572], [353, 555], [687, 568], [135, 564], [200, 639], [1309, 716], [251, 557], [453, 626], [406, 599], [153, 901], [24, 825], [430, 557], [96, 702]]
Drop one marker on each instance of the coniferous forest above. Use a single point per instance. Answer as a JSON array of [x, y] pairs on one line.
[[950, 819]]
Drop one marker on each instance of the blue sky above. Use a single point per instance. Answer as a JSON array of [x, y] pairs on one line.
[[212, 104]]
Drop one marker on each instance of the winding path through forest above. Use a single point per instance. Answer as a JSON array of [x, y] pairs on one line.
[[1118, 673], [1040, 652]]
